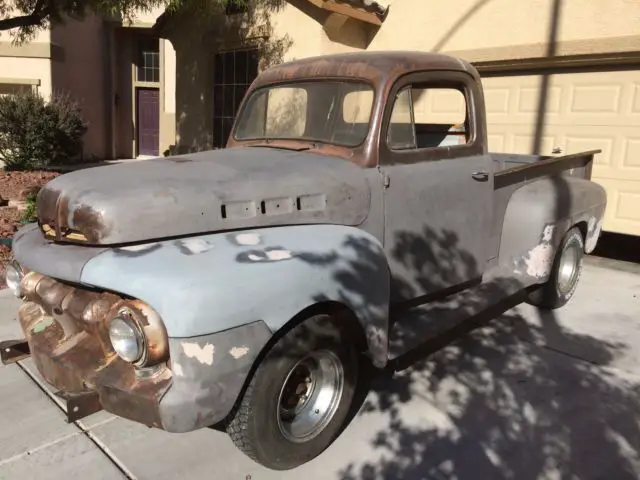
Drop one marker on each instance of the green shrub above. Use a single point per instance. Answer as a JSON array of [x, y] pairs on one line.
[[35, 134], [29, 213]]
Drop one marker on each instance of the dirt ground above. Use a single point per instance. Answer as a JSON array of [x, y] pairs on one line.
[[16, 186]]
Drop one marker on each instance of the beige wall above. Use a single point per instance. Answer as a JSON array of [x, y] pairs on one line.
[[497, 29], [123, 110], [146, 18], [168, 107], [41, 36], [481, 24], [82, 76], [28, 62], [31, 69]]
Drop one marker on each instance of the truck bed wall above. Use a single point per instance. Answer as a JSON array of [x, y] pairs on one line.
[[555, 192]]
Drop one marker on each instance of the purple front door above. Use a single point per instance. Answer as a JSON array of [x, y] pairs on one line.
[[148, 114]]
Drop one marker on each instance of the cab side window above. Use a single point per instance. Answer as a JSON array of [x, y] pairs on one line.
[[426, 116]]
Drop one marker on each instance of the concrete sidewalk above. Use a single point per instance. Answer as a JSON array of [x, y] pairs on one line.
[[529, 396]]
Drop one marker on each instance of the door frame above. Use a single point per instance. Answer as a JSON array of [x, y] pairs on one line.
[[137, 120], [137, 36], [476, 147]]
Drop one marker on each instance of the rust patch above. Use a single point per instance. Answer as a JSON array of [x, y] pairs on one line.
[[124, 394], [67, 332]]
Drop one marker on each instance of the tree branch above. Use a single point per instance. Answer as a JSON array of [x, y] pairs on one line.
[[41, 10]]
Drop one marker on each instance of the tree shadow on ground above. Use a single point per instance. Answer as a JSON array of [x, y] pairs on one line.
[[503, 405]]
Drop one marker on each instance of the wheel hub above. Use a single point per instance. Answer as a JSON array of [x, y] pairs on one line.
[[310, 396], [568, 269]]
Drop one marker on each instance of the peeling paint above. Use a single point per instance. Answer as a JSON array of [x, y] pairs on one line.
[[539, 261], [238, 352], [138, 248], [194, 246], [43, 324], [177, 369], [593, 234], [202, 354], [249, 239], [273, 255], [279, 255], [547, 234]]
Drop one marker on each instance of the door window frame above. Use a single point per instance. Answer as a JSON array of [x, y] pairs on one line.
[[460, 81]]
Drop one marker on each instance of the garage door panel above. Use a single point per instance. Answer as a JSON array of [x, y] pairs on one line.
[[623, 199], [631, 153], [517, 139], [585, 111], [528, 101], [620, 148], [597, 99]]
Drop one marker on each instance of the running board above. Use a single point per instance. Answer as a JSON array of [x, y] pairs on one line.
[[423, 330], [12, 351]]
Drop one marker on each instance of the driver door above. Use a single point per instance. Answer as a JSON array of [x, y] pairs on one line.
[[439, 185]]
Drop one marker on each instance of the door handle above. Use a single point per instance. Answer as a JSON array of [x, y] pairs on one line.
[[480, 176]]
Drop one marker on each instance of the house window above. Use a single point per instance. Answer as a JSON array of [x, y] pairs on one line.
[[148, 61], [7, 89], [233, 73]]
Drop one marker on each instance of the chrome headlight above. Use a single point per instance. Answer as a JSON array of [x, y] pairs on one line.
[[13, 278], [126, 339]]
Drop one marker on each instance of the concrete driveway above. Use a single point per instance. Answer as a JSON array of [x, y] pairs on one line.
[[525, 396]]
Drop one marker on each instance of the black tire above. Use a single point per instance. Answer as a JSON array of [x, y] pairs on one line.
[[255, 427], [552, 295]]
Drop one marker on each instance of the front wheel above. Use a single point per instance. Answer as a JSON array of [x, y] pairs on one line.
[[299, 398], [565, 273]]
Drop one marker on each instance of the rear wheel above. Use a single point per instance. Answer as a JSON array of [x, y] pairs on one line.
[[299, 398], [565, 273]]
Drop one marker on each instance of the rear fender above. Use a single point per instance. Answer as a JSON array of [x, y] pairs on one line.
[[211, 283], [538, 216]]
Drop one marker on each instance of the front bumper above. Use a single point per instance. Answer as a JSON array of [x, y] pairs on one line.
[[66, 329]]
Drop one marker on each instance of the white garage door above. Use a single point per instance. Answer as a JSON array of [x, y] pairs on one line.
[[585, 111]]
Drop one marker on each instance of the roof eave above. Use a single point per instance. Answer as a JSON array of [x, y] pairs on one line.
[[367, 11]]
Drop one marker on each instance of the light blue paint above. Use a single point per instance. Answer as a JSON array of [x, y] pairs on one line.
[[232, 284]]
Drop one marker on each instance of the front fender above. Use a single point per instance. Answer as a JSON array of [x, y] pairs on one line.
[[210, 283]]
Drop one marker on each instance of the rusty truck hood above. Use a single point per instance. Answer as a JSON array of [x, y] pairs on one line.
[[209, 191]]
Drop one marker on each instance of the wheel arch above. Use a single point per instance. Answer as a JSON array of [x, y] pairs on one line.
[[355, 327]]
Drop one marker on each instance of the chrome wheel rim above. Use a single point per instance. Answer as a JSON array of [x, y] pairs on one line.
[[568, 269], [310, 396]]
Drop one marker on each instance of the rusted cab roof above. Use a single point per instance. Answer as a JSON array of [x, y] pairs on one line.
[[375, 66]]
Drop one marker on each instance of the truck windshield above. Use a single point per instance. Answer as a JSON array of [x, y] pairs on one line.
[[336, 112]]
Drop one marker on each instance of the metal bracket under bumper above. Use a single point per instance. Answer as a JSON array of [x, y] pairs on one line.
[[80, 405], [12, 351]]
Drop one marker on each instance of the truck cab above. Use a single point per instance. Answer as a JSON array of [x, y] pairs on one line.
[[250, 287]]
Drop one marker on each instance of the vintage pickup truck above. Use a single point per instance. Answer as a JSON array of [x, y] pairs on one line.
[[246, 288]]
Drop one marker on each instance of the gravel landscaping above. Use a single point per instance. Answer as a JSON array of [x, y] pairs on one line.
[[15, 187]]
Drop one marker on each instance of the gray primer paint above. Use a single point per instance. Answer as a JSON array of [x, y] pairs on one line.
[[538, 216], [64, 262], [211, 283], [209, 372], [206, 192]]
